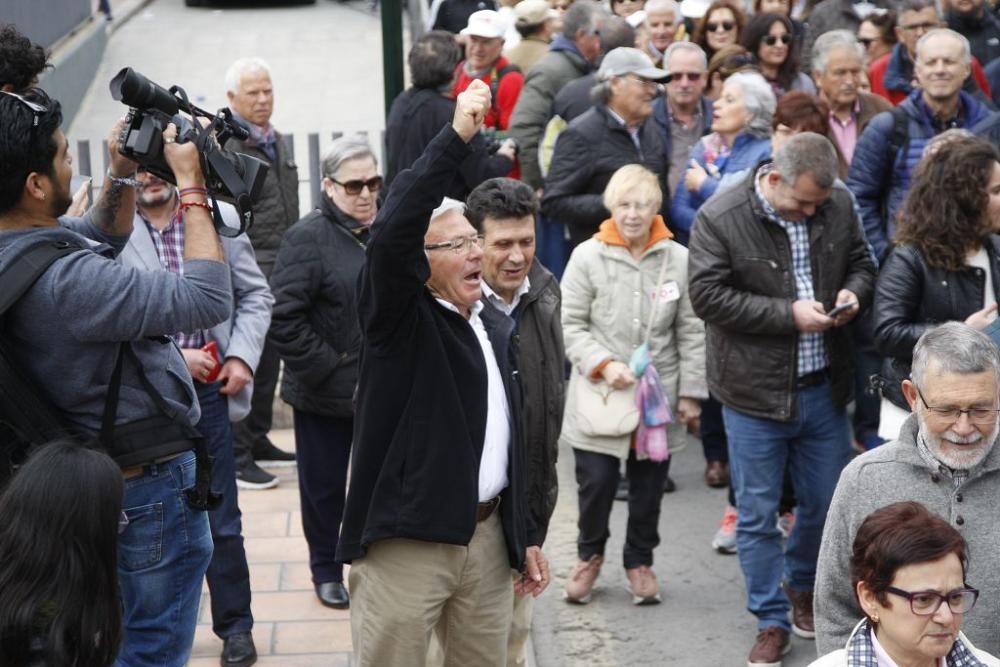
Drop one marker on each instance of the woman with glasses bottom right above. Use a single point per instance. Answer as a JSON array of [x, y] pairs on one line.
[[908, 572]]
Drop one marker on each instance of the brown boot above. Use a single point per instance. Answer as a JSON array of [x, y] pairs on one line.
[[580, 581], [802, 612], [771, 644]]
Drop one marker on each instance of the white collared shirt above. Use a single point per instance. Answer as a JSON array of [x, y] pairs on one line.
[[496, 444], [498, 301]]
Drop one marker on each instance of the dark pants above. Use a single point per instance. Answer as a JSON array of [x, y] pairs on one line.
[[228, 575], [251, 433], [322, 449], [713, 431], [867, 362], [597, 479]]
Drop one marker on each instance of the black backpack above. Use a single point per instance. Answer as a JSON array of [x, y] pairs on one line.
[[26, 419]]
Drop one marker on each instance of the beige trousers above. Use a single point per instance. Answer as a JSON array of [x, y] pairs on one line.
[[520, 628], [404, 590]]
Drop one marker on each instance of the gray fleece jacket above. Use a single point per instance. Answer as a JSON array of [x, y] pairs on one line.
[[66, 328], [896, 472]]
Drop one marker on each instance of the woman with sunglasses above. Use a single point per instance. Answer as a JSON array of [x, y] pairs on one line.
[[315, 329], [908, 570], [721, 26], [770, 38], [727, 61], [59, 596], [877, 33], [625, 8], [946, 264]]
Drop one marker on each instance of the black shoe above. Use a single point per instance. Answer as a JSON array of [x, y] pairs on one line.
[[621, 493], [269, 456], [668, 485], [250, 476], [333, 594], [238, 651]]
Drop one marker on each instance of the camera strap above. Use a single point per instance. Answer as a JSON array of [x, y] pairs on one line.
[[234, 184]]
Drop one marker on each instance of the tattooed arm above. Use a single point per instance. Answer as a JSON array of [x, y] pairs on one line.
[[114, 209]]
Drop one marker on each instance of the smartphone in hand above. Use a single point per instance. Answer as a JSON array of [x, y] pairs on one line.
[[837, 310]]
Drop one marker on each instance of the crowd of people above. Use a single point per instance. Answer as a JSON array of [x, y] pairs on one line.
[[770, 226]]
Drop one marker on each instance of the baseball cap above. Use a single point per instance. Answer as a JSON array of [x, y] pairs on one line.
[[626, 60], [694, 9], [485, 23], [533, 12]]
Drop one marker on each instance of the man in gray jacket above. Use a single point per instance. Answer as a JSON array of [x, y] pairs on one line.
[[87, 311], [944, 458], [223, 379], [515, 283]]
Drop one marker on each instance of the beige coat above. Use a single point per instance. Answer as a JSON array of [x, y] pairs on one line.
[[607, 302]]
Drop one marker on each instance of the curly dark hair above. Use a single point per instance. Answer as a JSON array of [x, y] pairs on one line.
[[944, 214], [21, 60], [758, 28]]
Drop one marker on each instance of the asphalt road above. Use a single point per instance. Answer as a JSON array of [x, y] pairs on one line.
[[326, 62]]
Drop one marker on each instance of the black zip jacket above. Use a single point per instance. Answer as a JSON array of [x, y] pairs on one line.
[[422, 393]]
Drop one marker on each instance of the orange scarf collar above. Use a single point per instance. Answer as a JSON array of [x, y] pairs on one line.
[[608, 233]]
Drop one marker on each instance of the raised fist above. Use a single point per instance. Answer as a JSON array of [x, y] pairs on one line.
[[470, 109]]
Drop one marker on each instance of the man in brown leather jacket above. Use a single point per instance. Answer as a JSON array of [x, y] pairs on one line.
[[778, 266]]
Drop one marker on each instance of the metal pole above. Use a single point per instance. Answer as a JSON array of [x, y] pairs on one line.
[[392, 49]]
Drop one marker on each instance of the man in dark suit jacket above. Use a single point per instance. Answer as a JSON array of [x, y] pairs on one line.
[[436, 514]]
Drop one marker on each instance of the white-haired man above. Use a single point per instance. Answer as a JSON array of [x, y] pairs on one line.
[[251, 97], [946, 459], [436, 515], [659, 29]]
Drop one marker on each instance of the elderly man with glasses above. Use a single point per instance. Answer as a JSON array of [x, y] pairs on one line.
[[436, 516], [945, 458]]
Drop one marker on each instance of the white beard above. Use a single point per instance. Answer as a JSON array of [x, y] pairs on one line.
[[963, 456]]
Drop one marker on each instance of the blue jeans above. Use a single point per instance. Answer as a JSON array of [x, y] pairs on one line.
[[162, 557], [228, 574], [816, 447]]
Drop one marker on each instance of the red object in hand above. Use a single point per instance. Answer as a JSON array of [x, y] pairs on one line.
[[213, 348]]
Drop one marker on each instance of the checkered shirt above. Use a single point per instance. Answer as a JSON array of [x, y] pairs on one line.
[[861, 651], [169, 246], [812, 348]]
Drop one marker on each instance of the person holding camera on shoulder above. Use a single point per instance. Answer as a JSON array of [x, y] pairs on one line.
[[90, 332]]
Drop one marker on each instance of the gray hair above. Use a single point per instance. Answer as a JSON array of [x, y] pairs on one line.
[[955, 348], [243, 66], [584, 15], [946, 32], [758, 98], [447, 205], [807, 153], [664, 6], [949, 135], [831, 40], [685, 46], [344, 149]]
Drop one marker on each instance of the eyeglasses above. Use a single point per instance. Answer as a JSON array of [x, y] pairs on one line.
[[690, 76], [866, 41], [36, 108], [926, 603], [622, 2], [953, 414], [356, 186], [771, 40], [713, 26], [122, 522], [926, 25], [458, 246]]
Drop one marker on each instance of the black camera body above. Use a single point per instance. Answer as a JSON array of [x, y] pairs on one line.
[[229, 176]]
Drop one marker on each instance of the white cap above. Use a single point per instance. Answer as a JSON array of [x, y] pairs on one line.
[[694, 9], [534, 12], [486, 23], [626, 60]]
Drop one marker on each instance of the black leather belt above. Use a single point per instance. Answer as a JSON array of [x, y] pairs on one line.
[[486, 509], [814, 378]]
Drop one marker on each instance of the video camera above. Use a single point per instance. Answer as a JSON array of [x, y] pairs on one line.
[[233, 177]]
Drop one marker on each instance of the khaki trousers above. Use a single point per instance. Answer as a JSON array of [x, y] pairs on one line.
[[403, 591], [520, 628]]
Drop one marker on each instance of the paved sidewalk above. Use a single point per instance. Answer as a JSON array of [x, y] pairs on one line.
[[291, 627]]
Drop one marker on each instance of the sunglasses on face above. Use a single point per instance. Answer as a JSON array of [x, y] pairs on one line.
[[690, 76], [866, 41], [771, 40], [714, 26], [356, 186]]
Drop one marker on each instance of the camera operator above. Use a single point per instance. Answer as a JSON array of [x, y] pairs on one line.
[[88, 313]]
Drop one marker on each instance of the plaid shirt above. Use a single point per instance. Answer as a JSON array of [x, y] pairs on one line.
[[812, 348], [861, 651], [169, 246]]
